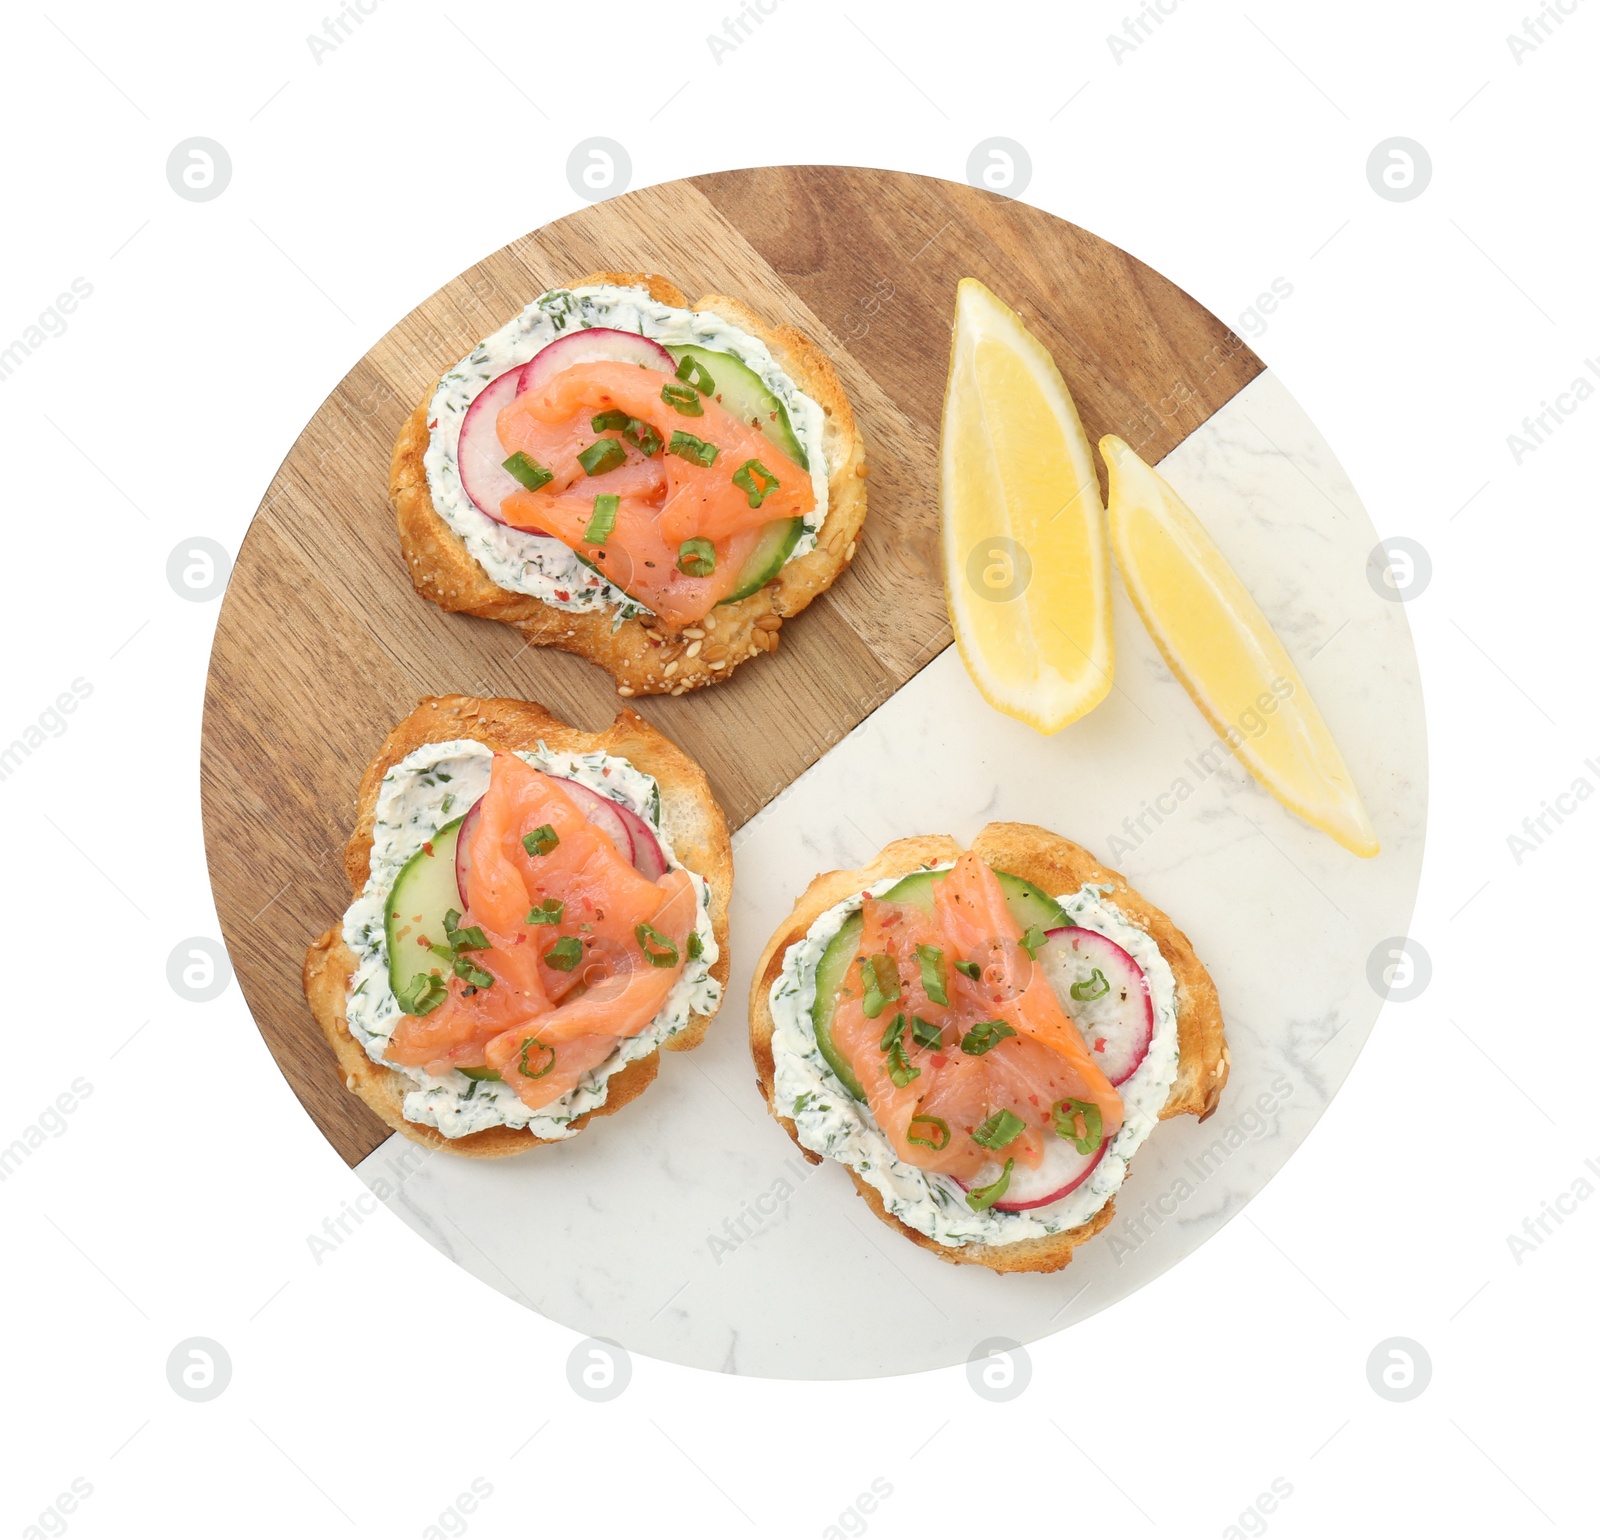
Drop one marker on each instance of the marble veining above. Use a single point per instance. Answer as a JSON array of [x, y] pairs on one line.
[[689, 1228]]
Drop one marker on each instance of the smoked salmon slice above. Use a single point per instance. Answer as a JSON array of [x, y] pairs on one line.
[[581, 949], [725, 485], [997, 1043]]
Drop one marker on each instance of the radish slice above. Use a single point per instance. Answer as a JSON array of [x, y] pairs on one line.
[[595, 344], [464, 835], [1061, 1171], [635, 840], [480, 454], [1112, 1007], [647, 853], [602, 812]]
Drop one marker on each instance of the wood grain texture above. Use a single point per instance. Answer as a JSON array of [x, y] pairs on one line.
[[321, 646]]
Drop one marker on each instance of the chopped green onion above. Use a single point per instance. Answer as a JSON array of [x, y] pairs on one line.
[[472, 939], [697, 557], [565, 955], [880, 983], [661, 950], [445, 806], [1032, 939], [931, 959], [1091, 988], [466, 969], [541, 841], [981, 1198], [547, 913], [800, 1102], [641, 435], [604, 518], [755, 481], [997, 1130], [940, 1127], [696, 945], [687, 447], [683, 399], [972, 970], [891, 1033], [426, 992], [529, 472], [695, 373], [981, 1037], [528, 1044], [605, 454], [926, 1035], [1066, 1122], [479, 1072], [901, 1070]]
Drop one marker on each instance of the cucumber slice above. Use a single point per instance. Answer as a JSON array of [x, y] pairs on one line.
[[916, 889], [771, 552], [738, 388], [422, 894], [1028, 905], [831, 969]]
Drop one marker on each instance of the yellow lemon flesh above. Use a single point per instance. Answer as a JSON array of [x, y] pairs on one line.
[[1026, 568], [1226, 654]]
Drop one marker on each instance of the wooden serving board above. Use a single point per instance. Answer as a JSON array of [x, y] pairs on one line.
[[322, 646]]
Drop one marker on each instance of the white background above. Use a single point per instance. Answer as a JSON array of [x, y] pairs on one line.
[[367, 1392]]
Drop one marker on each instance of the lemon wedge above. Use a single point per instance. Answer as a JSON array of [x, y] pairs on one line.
[[1226, 654], [1026, 568]]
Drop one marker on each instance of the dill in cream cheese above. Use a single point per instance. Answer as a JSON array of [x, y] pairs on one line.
[[430, 787], [539, 565], [833, 1123]]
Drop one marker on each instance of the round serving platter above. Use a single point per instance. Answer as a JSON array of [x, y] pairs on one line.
[[322, 646]]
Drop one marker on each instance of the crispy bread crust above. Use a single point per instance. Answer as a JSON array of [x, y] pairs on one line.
[[689, 815], [638, 652], [1057, 866]]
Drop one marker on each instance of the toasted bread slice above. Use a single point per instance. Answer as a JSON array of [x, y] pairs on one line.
[[1055, 865], [637, 653], [690, 817]]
